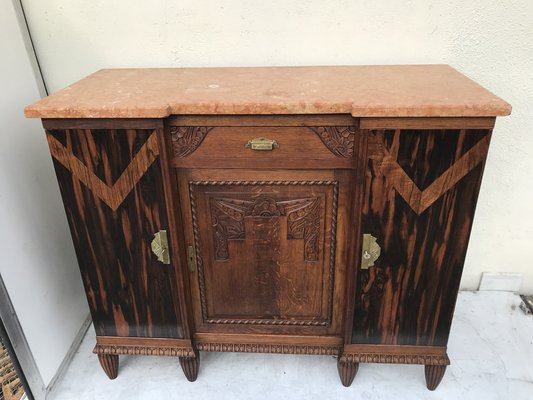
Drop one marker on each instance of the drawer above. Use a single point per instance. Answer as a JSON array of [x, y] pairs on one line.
[[264, 146]]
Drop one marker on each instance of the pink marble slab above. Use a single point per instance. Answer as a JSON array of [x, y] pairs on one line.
[[363, 91]]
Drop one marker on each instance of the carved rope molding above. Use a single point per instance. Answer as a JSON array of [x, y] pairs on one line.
[[417, 199], [396, 358], [144, 350], [115, 194], [269, 348], [199, 261]]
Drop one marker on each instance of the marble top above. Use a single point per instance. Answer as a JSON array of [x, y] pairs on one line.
[[362, 91]]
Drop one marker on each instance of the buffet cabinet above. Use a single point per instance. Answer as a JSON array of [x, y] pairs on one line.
[[310, 233]]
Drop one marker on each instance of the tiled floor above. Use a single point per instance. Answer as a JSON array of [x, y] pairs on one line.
[[491, 350]]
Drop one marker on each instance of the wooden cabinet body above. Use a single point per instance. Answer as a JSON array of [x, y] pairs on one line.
[[265, 241]]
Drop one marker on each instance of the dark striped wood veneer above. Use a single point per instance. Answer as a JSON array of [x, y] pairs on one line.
[[112, 188], [420, 196]]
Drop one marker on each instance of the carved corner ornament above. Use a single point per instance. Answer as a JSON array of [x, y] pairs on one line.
[[340, 140], [186, 139]]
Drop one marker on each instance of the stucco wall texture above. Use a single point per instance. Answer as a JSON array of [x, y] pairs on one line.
[[488, 40]]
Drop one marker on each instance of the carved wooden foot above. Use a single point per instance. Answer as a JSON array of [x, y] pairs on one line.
[[190, 366], [109, 363], [347, 371], [434, 374]]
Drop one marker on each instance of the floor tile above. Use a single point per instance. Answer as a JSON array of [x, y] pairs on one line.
[[490, 347]]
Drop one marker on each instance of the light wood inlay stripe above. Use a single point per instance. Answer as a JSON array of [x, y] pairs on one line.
[[420, 200], [113, 195]]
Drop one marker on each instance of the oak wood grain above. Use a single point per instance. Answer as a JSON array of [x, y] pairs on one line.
[[267, 339]]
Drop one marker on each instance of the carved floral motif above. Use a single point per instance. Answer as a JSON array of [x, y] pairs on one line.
[[186, 139], [340, 140], [303, 216]]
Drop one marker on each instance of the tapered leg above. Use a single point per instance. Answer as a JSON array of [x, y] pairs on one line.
[[347, 371], [190, 366], [109, 363], [434, 374]]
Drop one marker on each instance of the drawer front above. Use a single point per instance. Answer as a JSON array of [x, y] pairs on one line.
[[286, 146]]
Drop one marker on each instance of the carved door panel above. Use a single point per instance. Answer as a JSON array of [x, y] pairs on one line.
[[268, 252]]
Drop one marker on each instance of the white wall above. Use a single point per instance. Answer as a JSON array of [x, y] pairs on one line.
[[489, 40], [38, 264]]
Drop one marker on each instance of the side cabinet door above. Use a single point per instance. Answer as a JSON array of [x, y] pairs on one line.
[[421, 192], [112, 189]]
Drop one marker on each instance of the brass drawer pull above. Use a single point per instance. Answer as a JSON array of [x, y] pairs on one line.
[[262, 144], [371, 251], [160, 247]]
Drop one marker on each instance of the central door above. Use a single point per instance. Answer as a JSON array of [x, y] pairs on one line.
[[267, 249]]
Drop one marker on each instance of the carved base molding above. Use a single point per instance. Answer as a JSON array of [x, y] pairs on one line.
[[269, 348], [144, 351], [106, 345], [316, 345], [395, 359], [424, 355]]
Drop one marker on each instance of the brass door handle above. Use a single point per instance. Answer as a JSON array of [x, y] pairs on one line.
[[160, 247], [370, 252], [261, 144]]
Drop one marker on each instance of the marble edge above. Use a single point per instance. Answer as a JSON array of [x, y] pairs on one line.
[[488, 110]]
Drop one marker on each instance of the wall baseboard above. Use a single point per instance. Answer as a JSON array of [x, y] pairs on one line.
[[70, 354], [501, 281]]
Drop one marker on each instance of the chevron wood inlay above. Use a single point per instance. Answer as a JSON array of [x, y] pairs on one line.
[[115, 194], [420, 200]]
